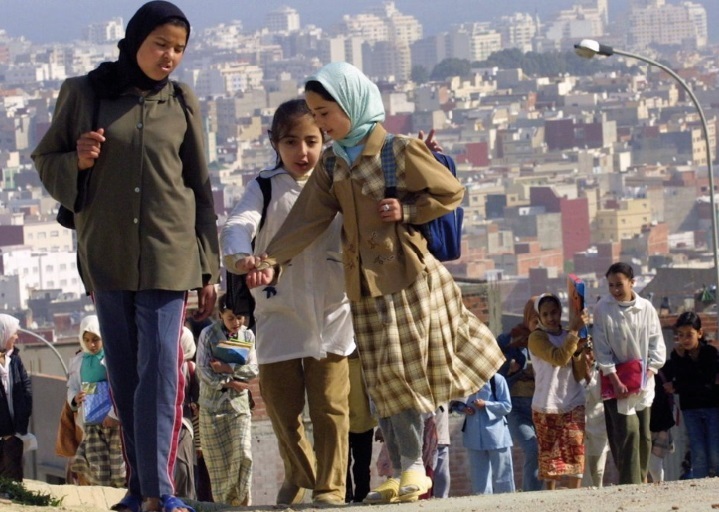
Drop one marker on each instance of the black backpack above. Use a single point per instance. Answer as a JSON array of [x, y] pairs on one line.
[[238, 296]]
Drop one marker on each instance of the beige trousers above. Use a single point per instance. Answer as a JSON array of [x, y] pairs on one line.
[[326, 383]]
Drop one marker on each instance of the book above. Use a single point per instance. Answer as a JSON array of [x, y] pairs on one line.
[[575, 294]]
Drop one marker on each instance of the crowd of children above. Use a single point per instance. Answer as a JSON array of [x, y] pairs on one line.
[[353, 312]]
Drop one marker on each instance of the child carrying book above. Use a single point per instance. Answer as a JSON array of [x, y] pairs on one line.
[[486, 437], [558, 402]]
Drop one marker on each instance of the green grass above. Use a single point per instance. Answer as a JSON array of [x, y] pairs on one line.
[[17, 493]]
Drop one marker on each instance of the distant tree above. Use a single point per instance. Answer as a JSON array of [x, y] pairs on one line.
[[451, 67], [547, 63], [419, 74]]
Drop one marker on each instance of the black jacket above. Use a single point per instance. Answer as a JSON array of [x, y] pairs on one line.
[[21, 393], [695, 381]]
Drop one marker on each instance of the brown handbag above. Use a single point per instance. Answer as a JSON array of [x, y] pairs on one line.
[[69, 434]]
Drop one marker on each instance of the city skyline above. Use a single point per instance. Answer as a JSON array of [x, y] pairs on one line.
[[60, 21]]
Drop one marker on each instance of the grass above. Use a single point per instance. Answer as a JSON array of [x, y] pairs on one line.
[[17, 493]]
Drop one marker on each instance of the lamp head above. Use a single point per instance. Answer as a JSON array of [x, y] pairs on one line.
[[588, 48]]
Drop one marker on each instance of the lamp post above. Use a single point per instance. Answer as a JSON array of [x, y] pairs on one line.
[[587, 49], [37, 336]]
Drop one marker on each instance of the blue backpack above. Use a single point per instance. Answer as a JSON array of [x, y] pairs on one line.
[[443, 234]]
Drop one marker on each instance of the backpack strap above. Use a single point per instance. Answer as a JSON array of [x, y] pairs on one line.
[[493, 385], [387, 161], [389, 167], [330, 162], [266, 189]]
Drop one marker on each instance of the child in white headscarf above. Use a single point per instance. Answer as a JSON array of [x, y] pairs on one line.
[[99, 459], [418, 344], [15, 401]]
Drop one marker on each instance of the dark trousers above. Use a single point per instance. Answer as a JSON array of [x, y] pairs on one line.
[[11, 458], [202, 481], [630, 441], [358, 473]]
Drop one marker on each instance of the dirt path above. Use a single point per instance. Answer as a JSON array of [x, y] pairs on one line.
[[687, 495]]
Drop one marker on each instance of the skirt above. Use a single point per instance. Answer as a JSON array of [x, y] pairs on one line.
[[421, 347], [560, 439], [99, 458]]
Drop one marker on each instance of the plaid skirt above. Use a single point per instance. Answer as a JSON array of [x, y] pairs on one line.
[[99, 458], [227, 450], [560, 439], [421, 347]]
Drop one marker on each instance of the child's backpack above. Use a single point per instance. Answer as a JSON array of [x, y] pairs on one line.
[[443, 234], [239, 298]]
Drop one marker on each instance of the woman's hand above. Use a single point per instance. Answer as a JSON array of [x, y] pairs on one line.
[[619, 389], [430, 141], [479, 403], [579, 321], [237, 385], [390, 209], [248, 263], [88, 148], [220, 367], [206, 297], [468, 411], [109, 422], [79, 398], [262, 277]]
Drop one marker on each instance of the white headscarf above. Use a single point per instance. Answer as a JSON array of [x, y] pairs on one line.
[[89, 324], [8, 326], [187, 342]]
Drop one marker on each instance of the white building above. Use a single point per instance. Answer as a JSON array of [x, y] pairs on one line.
[[105, 32], [226, 79], [473, 42], [667, 24], [518, 31], [25, 270], [574, 24], [284, 19]]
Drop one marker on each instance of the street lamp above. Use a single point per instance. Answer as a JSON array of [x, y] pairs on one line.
[[587, 49], [50, 345]]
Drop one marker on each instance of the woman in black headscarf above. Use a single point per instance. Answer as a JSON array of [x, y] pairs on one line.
[[146, 230]]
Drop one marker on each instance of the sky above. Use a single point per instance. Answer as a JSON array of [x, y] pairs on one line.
[[45, 21]]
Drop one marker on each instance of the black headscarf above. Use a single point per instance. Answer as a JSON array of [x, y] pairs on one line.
[[109, 79]]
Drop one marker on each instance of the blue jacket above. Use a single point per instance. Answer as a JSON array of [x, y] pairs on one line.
[[487, 428]]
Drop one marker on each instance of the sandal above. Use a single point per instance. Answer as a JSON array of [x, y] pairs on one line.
[[413, 484], [130, 503], [170, 503], [385, 493]]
